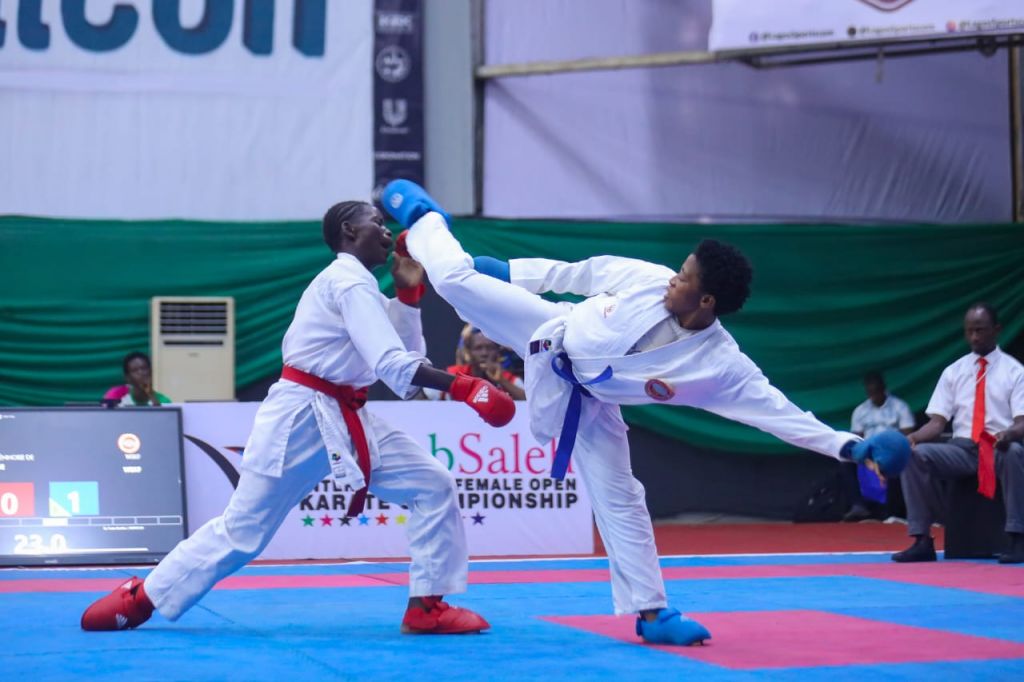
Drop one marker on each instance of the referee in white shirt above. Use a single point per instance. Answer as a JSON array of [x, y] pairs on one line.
[[982, 394]]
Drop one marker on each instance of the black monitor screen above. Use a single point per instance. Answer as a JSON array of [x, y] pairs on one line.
[[90, 485]]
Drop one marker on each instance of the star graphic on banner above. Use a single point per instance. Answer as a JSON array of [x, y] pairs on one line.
[[307, 520], [364, 520], [401, 519], [325, 520], [382, 520], [344, 521], [478, 519]]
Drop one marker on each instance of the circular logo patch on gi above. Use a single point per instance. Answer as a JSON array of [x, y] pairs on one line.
[[659, 390]]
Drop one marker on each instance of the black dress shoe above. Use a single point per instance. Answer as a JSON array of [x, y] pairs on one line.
[[923, 549], [1016, 553]]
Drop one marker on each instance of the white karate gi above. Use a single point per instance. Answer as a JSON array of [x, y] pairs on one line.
[[626, 300], [345, 332]]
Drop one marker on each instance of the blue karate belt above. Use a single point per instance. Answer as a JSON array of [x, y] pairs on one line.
[[562, 366]]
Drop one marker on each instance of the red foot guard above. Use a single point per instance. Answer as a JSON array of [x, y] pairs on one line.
[[438, 618], [125, 608]]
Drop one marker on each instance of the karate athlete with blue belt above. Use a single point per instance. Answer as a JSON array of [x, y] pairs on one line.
[[345, 335], [644, 334]]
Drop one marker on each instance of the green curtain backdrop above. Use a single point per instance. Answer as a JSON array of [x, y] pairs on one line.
[[829, 302]]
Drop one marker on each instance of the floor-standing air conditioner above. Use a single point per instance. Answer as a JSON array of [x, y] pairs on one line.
[[193, 347]]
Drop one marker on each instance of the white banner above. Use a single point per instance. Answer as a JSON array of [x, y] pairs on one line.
[[510, 504], [194, 109], [741, 24]]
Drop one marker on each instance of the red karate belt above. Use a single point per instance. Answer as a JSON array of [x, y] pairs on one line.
[[349, 400], [985, 440]]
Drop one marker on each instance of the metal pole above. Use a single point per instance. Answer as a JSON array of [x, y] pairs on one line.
[[595, 64], [1016, 139], [760, 58], [479, 86]]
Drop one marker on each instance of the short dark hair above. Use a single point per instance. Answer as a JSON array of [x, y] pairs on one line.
[[725, 273], [335, 217], [135, 355], [874, 377], [988, 308]]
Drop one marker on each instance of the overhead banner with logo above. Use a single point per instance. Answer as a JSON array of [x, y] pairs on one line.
[[510, 504], [397, 92], [741, 24], [195, 109]]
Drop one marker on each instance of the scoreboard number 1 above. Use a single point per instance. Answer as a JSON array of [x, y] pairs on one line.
[[74, 498]]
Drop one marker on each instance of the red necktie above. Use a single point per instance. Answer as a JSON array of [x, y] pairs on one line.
[[985, 441]]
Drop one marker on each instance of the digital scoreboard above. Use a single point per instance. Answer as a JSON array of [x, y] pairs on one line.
[[90, 485]]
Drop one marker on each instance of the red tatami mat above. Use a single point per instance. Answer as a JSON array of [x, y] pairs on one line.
[[978, 577], [803, 638]]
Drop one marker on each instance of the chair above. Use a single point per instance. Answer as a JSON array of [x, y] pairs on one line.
[[975, 524]]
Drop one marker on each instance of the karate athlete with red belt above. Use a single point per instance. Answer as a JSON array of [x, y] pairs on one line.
[[345, 336], [645, 334]]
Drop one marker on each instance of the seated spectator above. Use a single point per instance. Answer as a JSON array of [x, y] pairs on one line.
[[879, 412], [478, 356], [982, 394], [138, 372]]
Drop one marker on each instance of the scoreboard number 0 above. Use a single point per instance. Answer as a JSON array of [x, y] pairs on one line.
[[8, 504], [17, 498]]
